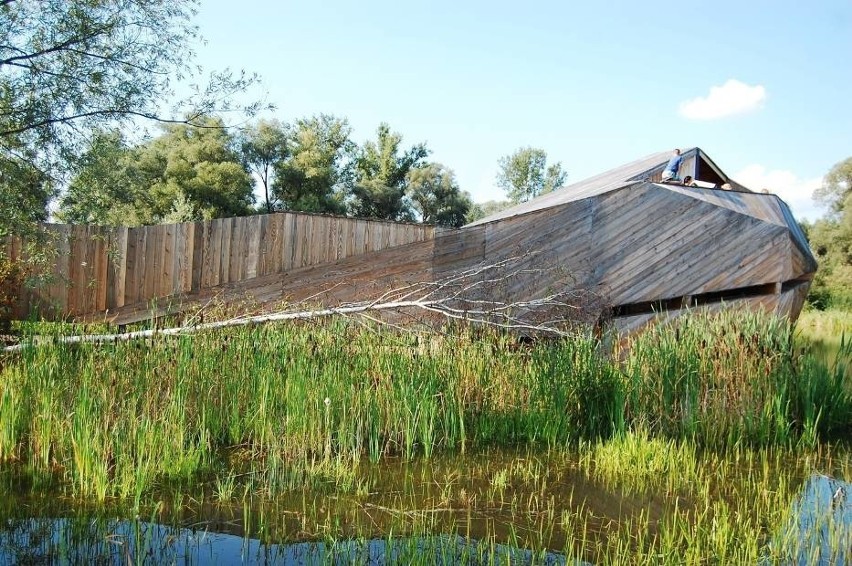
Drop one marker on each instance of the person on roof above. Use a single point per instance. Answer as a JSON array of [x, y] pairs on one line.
[[671, 170]]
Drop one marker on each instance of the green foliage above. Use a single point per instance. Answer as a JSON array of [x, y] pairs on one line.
[[831, 241], [23, 265], [102, 191], [525, 175], [837, 187], [187, 173], [482, 209], [265, 146], [162, 409], [734, 377], [10, 284], [25, 191], [317, 175], [381, 177], [200, 165], [436, 196], [72, 67]]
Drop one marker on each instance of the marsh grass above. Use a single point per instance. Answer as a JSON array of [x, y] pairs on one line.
[[741, 505], [733, 377], [707, 426], [307, 402]]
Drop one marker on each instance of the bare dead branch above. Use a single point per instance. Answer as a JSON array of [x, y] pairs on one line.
[[463, 296]]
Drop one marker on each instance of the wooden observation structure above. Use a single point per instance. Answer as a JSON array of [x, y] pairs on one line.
[[644, 246]]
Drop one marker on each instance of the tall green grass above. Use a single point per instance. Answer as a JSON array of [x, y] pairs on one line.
[[306, 402], [732, 377]]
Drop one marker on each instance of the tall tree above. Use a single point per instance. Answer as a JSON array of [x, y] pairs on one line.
[[437, 197], [70, 66], [24, 193], [836, 190], [195, 170], [381, 176], [103, 188], [317, 175], [831, 239], [185, 174], [264, 147], [525, 175]]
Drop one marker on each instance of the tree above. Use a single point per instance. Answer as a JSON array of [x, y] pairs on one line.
[[24, 193], [185, 174], [436, 196], [482, 209], [382, 175], [831, 239], [68, 67], [525, 175], [836, 190], [317, 175], [102, 189], [196, 171], [265, 146]]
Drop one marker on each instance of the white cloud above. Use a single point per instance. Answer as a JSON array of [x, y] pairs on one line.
[[733, 97], [796, 192]]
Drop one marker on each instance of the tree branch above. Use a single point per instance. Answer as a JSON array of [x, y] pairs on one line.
[[112, 112], [58, 47], [457, 297]]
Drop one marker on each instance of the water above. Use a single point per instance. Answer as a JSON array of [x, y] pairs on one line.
[[495, 507], [822, 524], [70, 541]]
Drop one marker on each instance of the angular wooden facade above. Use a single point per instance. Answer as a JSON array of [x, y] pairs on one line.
[[643, 246]]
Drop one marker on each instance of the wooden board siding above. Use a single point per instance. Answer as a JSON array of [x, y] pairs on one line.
[[762, 206], [634, 243], [101, 269]]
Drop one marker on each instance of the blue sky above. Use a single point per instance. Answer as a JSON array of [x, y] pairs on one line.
[[763, 87]]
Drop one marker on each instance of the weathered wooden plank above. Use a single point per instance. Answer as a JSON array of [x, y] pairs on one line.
[[130, 262], [151, 262], [166, 278], [117, 267], [288, 247], [219, 244], [102, 267], [77, 270], [182, 274], [255, 227], [199, 235], [273, 244]]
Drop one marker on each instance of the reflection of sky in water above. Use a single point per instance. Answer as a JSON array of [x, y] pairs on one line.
[[67, 541], [821, 532]]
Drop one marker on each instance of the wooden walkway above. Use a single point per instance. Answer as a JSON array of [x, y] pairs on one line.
[[102, 269]]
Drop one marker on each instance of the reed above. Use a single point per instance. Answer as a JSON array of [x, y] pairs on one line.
[[732, 377], [741, 505], [307, 402]]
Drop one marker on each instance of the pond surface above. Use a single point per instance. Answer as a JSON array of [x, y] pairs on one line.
[[498, 507]]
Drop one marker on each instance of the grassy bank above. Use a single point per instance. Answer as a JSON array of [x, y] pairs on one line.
[[300, 404]]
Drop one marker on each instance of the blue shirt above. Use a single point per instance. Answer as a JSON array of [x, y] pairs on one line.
[[674, 163]]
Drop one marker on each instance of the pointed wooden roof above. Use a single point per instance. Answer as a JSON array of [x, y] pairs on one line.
[[648, 168]]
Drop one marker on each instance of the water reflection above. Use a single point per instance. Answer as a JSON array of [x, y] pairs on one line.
[[73, 541], [461, 510], [821, 530]]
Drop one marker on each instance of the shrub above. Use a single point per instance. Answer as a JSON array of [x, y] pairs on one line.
[[11, 279]]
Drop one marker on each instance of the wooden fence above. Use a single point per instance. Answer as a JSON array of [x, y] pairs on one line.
[[99, 268]]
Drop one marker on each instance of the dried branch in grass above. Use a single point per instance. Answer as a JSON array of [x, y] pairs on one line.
[[482, 295]]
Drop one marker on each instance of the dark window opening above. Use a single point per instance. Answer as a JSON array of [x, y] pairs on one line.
[[676, 303], [703, 172]]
